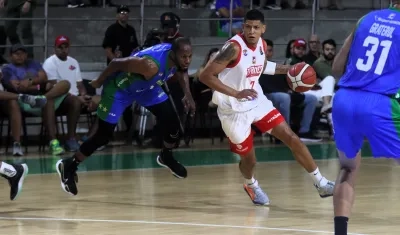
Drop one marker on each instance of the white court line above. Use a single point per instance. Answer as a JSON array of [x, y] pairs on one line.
[[171, 223]]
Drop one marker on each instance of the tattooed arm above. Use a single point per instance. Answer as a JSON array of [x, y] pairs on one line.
[[144, 66], [226, 56]]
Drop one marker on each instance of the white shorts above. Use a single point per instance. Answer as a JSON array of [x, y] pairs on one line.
[[237, 125]]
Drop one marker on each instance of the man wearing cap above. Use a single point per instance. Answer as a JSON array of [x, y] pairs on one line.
[[120, 38], [23, 76], [59, 67], [308, 101], [9, 103], [170, 25], [120, 41], [299, 51]]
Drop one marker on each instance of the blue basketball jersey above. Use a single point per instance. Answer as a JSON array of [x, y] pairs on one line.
[[374, 59], [159, 54]]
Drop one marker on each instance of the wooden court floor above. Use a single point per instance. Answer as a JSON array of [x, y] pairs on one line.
[[117, 196]]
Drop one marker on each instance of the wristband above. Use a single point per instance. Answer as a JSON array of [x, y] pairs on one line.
[[270, 68]]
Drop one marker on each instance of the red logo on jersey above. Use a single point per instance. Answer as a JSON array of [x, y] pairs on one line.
[[254, 71]]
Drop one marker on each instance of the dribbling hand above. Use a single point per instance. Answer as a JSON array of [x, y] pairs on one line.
[[248, 94]]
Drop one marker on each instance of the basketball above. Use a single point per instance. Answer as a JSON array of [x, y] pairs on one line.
[[301, 77]]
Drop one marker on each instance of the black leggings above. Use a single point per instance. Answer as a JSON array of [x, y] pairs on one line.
[[165, 115]]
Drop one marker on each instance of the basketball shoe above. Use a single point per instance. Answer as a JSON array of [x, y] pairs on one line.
[[326, 190], [256, 194], [165, 159], [66, 169], [17, 180]]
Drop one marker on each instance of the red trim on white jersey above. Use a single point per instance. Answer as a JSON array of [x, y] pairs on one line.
[[265, 46], [251, 47]]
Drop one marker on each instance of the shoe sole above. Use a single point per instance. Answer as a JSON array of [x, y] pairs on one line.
[[21, 180], [63, 186], [173, 173], [255, 203]]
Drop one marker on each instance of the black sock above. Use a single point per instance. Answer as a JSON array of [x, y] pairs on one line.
[[75, 159], [166, 150], [341, 225]]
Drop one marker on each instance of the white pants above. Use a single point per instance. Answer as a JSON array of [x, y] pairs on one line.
[[237, 125], [328, 87]]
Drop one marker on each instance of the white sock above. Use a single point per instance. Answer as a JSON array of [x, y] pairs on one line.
[[251, 182], [318, 178], [7, 169]]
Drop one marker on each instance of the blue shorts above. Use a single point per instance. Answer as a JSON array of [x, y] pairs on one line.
[[358, 115], [114, 100]]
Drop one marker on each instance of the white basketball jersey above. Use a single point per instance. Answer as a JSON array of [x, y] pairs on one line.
[[242, 74]]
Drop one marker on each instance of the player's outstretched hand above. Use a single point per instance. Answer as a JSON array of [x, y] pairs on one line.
[[249, 94], [189, 105]]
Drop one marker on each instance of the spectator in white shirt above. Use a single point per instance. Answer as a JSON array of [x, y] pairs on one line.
[[60, 67]]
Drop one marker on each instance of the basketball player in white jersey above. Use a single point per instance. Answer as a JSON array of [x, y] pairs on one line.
[[234, 74]]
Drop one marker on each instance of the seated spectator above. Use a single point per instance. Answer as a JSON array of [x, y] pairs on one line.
[[277, 90], [326, 86], [23, 76], [314, 50], [289, 50], [15, 121], [203, 93], [298, 51], [59, 67], [223, 7]]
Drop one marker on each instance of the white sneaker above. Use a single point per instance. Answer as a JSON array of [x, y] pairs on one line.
[[326, 190], [257, 195]]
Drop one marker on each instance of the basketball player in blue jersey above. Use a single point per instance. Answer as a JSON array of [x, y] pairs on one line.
[[137, 78], [367, 102]]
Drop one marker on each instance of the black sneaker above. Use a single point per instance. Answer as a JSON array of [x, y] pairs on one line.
[[17, 180], [309, 137], [166, 160], [66, 169]]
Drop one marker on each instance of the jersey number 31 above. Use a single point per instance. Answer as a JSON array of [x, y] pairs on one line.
[[366, 65]]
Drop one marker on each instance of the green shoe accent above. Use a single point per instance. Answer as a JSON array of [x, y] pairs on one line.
[[55, 148]]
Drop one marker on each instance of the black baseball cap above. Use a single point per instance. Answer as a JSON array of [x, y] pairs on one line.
[[169, 20], [123, 8], [17, 47]]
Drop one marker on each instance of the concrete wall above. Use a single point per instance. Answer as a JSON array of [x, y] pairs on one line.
[[87, 36]]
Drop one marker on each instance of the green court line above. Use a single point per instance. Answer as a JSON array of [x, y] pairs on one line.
[[188, 157]]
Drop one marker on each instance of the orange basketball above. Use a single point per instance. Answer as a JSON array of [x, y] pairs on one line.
[[301, 77]]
